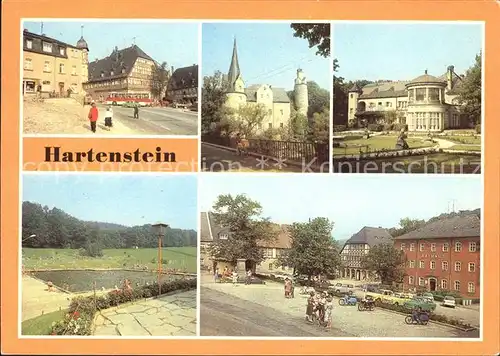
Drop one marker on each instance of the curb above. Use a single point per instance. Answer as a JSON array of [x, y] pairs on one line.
[[432, 321], [256, 155]]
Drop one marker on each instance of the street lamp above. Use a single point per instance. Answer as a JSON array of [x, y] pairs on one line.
[[159, 230]]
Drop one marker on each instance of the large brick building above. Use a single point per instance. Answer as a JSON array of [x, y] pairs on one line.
[[212, 232], [357, 247], [125, 72], [444, 254], [52, 67]]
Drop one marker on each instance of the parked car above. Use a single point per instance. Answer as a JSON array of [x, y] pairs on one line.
[[421, 302], [449, 301], [342, 288]]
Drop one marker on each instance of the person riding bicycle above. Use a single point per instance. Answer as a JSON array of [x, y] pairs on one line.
[[416, 313]]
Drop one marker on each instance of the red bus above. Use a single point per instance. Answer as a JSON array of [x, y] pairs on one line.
[[143, 99]]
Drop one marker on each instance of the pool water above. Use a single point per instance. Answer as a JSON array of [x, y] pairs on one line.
[[83, 281]]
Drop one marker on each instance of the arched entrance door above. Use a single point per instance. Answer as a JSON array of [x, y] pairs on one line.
[[432, 284]]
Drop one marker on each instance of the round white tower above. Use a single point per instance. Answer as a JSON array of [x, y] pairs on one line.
[[235, 95], [300, 95]]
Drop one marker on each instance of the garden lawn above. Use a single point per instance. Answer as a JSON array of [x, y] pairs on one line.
[[47, 258], [42, 325], [377, 143], [466, 148], [466, 140]]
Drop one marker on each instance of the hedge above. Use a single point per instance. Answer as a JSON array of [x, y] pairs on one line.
[[375, 127], [82, 310], [432, 316]]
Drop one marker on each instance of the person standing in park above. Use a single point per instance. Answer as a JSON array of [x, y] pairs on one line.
[[93, 115], [235, 277]]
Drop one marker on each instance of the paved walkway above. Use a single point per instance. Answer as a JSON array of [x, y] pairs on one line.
[[378, 323], [172, 315], [37, 300]]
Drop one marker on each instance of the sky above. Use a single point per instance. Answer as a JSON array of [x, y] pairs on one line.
[[267, 52], [118, 198], [174, 43], [404, 51], [350, 201]]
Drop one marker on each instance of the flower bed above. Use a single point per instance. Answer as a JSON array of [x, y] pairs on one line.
[[432, 316], [82, 310]]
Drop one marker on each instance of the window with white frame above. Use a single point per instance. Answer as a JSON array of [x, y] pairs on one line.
[[446, 247], [458, 266], [47, 47], [412, 264], [444, 284], [444, 265], [472, 267], [457, 285], [29, 44], [422, 247], [412, 247], [458, 246], [471, 288], [46, 66], [403, 246], [472, 246], [61, 68], [421, 264], [433, 247], [421, 281], [411, 280], [433, 265], [28, 64], [61, 51]]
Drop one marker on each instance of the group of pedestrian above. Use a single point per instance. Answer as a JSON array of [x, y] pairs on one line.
[[321, 305], [108, 116]]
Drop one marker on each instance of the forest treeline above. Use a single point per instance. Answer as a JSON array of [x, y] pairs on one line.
[[43, 227]]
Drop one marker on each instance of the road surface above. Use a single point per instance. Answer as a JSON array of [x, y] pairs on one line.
[[157, 121], [225, 315], [215, 159]]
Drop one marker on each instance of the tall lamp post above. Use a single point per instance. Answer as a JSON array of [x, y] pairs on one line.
[[159, 230]]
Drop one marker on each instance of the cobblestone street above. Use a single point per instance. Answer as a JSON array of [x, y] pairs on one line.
[[172, 315], [346, 319]]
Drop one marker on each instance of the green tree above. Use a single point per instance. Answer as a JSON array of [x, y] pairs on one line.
[[246, 120], [320, 127], [469, 93], [213, 95], [319, 99], [313, 251], [318, 35], [387, 262], [406, 225], [243, 217], [160, 80]]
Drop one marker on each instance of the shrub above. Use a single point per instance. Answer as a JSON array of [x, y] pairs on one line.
[[399, 127], [478, 128], [339, 128], [91, 250], [388, 127], [82, 309], [375, 127]]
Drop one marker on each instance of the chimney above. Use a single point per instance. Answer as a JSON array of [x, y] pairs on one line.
[[449, 77]]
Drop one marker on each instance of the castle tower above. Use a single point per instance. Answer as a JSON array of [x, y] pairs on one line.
[[300, 95], [352, 102], [82, 44], [235, 95]]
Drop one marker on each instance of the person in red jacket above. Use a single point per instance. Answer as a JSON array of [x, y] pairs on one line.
[[93, 114]]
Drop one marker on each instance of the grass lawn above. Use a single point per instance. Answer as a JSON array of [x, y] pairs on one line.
[[42, 325], [435, 163], [466, 148], [467, 140], [377, 143], [46, 258]]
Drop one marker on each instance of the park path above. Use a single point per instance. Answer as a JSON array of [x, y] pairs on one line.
[[377, 323], [171, 315]]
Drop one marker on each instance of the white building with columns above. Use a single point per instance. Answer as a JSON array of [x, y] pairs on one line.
[[426, 103]]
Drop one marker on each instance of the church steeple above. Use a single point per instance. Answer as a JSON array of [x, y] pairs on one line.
[[234, 69]]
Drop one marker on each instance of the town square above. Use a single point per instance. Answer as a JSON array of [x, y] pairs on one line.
[[407, 106], [140, 79], [405, 267]]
